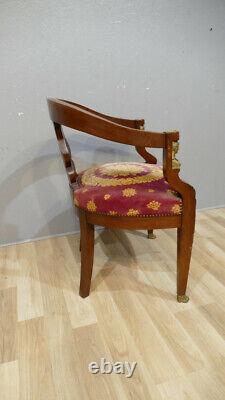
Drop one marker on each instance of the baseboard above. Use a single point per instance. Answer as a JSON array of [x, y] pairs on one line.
[[76, 232], [211, 208], [40, 238]]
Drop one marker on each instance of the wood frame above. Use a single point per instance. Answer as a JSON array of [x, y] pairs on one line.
[[130, 132]]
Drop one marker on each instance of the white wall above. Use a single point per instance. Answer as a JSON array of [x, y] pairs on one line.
[[163, 60]]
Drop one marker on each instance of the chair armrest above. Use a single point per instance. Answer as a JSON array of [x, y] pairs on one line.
[[72, 116], [132, 123]]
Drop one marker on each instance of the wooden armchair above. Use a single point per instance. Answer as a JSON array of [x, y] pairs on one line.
[[127, 195]]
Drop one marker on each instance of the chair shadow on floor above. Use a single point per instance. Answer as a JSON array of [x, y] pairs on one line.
[[121, 271]]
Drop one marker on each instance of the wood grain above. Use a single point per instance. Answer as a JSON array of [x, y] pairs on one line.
[[9, 381], [8, 325], [35, 368]]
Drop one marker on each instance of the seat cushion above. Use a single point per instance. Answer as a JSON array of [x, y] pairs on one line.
[[126, 189]]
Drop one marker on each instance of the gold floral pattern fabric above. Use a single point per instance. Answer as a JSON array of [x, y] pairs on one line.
[[129, 192], [126, 189], [91, 206], [155, 205]]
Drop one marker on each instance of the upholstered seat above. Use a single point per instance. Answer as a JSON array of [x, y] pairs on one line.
[[126, 189]]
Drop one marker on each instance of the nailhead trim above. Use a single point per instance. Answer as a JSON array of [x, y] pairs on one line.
[[135, 216]]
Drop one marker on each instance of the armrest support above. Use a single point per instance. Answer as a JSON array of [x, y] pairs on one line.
[[171, 169]]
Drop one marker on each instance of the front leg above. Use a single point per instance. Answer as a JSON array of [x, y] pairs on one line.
[[87, 254]]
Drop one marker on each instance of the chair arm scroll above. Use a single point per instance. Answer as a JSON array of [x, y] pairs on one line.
[[149, 158], [67, 114]]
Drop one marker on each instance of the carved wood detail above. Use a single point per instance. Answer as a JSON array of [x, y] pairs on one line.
[[149, 158]]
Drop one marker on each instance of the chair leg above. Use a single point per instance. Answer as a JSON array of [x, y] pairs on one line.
[[151, 235], [185, 236], [87, 254]]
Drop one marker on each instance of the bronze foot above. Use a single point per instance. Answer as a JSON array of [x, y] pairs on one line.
[[182, 299], [151, 235]]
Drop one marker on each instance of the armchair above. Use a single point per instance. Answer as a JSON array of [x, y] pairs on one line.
[[128, 195]]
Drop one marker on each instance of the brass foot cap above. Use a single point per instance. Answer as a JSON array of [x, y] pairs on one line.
[[151, 235], [182, 299]]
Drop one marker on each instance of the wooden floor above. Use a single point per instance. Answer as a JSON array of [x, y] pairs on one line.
[[49, 335]]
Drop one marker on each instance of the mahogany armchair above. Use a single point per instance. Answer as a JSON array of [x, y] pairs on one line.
[[129, 195]]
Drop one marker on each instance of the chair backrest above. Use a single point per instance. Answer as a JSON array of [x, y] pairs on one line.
[[83, 119]]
